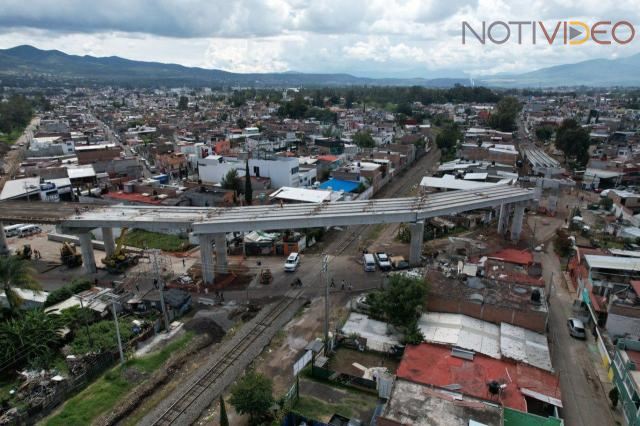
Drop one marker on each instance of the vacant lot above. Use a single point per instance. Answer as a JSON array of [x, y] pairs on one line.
[[153, 240]]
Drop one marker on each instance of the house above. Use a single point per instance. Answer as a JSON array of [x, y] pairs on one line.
[[514, 385], [283, 171], [626, 378]]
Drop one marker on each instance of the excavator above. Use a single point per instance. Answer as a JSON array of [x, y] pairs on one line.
[[120, 259], [25, 252], [69, 256]]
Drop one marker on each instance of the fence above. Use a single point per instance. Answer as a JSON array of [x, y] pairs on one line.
[[344, 379]]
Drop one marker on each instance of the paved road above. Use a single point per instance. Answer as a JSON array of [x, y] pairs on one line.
[[585, 401]]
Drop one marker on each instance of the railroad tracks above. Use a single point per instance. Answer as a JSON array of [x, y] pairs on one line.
[[188, 399]]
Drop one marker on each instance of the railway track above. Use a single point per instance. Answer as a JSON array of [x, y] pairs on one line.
[[205, 383]]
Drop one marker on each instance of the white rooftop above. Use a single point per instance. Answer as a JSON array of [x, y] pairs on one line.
[[483, 337], [380, 336], [462, 331], [524, 345], [19, 188], [450, 182], [25, 294], [612, 262], [302, 195], [79, 172]]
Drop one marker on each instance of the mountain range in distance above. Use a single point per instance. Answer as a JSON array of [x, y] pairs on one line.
[[31, 63]]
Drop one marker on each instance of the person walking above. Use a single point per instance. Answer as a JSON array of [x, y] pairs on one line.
[[342, 285]]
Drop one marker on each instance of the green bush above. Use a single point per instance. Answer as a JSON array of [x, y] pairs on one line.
[[62, 294]]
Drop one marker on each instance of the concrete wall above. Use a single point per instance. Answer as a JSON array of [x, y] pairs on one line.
[[620, 325], [531, 320]]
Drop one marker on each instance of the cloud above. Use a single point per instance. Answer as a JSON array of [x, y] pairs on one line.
[[361, 37]]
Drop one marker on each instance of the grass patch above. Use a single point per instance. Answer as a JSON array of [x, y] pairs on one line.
[[350, 406], [11, 138], [103, 394], [154, 240], [375, 231]]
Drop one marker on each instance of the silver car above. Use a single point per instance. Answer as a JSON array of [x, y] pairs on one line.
[[576, 328]]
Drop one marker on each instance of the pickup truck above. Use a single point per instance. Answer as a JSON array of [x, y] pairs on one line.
[[383, 261]]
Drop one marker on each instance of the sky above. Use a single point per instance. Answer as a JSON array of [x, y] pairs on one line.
[[375, 38]]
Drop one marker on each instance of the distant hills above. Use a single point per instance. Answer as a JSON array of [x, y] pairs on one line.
[[594, 72], [32, 63], [29, 60]]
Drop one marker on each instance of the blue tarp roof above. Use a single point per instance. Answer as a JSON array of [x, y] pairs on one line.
[[340, 185]]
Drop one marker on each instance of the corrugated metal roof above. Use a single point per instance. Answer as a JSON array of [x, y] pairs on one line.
[[612, 262]]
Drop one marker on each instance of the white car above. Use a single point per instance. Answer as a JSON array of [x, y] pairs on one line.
[[292, 262]]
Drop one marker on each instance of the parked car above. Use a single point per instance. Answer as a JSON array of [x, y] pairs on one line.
[[383, 261], [399, 262], [292, 262], [576, 328], [369, 262]]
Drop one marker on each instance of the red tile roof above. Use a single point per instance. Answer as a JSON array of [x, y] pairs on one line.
[[434, 365], [133, 196], [327, 158], [510, 255]]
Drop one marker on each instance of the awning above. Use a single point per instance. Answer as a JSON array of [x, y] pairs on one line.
[[541, 397]]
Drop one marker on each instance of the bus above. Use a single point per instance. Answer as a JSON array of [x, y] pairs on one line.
[[27, 230], [13, 230]]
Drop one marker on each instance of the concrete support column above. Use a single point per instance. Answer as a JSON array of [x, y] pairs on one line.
[[107, 239], [206, 259], [88, 258], [222, 265], [516, 225], [4, 246], [503, 218], [417, 240]]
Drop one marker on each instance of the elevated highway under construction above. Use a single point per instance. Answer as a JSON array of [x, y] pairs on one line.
[[212, 224]]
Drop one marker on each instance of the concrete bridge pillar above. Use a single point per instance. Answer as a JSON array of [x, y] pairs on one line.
[[88, 257], [4, 246], [503, 218], [417, 240], [222, 265], [206, 259], [107, 239], [516, 225]]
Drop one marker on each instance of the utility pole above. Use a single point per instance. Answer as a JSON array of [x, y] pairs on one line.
[[86, 324], [325, 271], [115, 318], [160, 281]]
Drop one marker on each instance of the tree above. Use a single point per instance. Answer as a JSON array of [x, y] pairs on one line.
[[16, 273], [183, 103], [413, 335], [224, 420], [447, 139], [544, 133], [248, 191], [504, 117], [31, 339], [364, 140], [241, 123], [231, 181], [401, 302], [252, 395], [573, 141]]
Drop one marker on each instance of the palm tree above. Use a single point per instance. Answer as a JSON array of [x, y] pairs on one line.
[[16, 273]]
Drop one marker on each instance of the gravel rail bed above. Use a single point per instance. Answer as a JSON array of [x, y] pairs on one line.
[[224, 365]]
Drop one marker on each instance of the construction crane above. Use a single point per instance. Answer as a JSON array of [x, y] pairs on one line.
[[120, 259]]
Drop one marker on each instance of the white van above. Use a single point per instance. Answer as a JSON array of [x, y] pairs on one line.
[[12, 230], [369, 262], [27, 230]]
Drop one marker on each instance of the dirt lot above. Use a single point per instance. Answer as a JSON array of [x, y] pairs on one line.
[[320, 401], [342, 361]]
